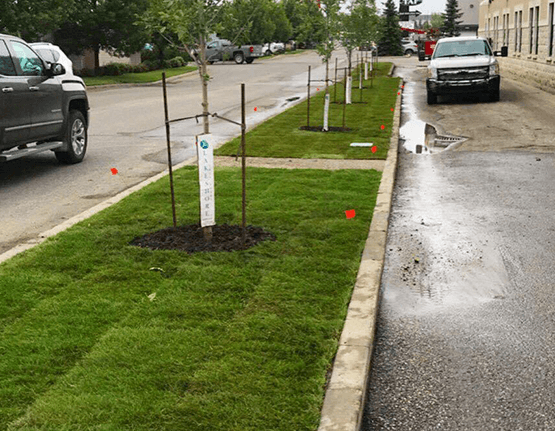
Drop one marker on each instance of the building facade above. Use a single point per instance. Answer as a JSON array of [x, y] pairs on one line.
[[527, 29], [470, 17]]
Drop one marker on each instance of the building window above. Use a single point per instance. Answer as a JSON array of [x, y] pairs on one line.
[[531, 27], [505, 29], [520, 31], [537, 30], [551, 31]]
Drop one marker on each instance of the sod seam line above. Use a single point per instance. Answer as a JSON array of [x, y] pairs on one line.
[[346, 393]]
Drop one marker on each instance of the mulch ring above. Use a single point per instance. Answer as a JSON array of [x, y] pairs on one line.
[[319, 129], [190, 238]]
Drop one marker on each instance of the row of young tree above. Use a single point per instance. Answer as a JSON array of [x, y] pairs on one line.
[[124, 26]]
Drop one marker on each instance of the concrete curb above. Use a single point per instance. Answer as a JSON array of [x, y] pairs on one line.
[[170, 80], [86, 214], [345, 396]]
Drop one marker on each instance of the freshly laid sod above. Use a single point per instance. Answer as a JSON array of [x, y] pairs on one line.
[[137, 78], [230, 341], [281, 137]]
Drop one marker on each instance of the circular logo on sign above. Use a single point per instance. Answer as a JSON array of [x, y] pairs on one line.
[[203, 144]]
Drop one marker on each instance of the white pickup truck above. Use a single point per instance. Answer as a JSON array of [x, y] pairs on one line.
[[462, 65], [222, 49]]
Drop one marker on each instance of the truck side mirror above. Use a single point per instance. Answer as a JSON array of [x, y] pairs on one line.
[[55, 69], [503, 53]]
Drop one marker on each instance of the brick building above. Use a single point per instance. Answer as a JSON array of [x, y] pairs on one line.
[[527, 28]]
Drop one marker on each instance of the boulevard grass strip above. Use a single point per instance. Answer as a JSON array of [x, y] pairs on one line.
[[280, 136], [231, 341], [137, 78]]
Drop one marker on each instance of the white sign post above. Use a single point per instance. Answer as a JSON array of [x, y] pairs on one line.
[[205, 153]]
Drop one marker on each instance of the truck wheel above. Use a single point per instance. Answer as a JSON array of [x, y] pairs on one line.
[[432, 98], [75, 138], [239, 58], [249, 60]]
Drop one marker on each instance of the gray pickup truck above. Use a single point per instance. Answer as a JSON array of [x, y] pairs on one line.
[[39, 110], [222, 49]]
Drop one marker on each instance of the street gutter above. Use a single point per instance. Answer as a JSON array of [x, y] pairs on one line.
[[345, 395]]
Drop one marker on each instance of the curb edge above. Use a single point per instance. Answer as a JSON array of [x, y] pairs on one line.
[[346, 392]]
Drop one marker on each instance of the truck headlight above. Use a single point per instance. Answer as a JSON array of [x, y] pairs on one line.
[[432, 73], [494, 69]]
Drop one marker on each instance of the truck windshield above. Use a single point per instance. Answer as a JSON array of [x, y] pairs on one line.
[[460, 48]]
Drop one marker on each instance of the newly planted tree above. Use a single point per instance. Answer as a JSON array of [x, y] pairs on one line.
[[193, 21], [358, 27], [331, 28]]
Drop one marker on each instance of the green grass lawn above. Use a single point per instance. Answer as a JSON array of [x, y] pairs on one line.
[[281, 137], [137, 78], [232, 341]]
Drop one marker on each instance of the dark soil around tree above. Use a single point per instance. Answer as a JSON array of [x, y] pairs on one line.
[[330, 129], [190, 238]]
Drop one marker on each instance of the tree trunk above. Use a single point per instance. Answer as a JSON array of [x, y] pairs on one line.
[[204, 79], [96, 60]]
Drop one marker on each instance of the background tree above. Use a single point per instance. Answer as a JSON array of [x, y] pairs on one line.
[[33, 19], [284, 28], [103, 24], [249, 21], [451, 21], [307, 21], [390, 32], [437, 20]]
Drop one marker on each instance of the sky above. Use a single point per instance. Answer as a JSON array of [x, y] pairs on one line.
[[427, 7]]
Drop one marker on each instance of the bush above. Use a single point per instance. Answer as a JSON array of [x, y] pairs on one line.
[[151, 64], [177, 62], [115, 69]]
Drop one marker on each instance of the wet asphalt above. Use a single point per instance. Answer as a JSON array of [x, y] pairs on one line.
[[465, 335]]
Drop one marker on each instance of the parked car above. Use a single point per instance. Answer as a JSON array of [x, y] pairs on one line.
[[38, 110], [461, 65], [409, 47], [272, 48], [222, 49], [53, 54]]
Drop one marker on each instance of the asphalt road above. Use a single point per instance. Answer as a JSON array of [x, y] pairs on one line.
[[465, 329], [127, 133]]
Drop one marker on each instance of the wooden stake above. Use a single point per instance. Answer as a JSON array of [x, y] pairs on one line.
[[243, 166], [308, 101], [168, 144]]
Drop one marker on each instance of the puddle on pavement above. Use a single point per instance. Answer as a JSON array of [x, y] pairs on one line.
[[418, 136]]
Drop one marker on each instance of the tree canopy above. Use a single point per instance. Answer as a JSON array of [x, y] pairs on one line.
[[307, 20], [390, 39], [109, 25], [255, 21], [32, 19]]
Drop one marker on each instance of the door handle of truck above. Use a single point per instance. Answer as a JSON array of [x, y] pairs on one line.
[[7, 90], [34, 88]]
